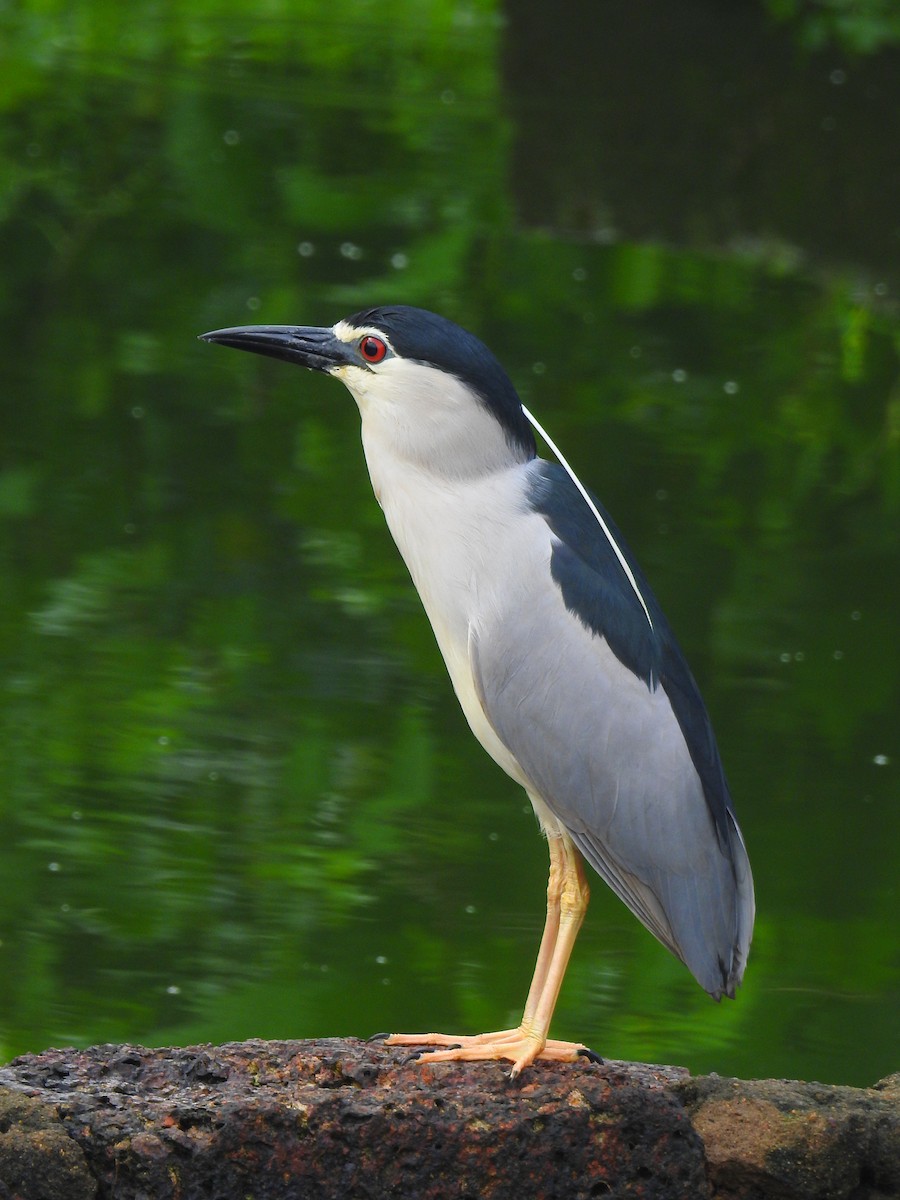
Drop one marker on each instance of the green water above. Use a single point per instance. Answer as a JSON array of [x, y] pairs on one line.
[[237, 797]]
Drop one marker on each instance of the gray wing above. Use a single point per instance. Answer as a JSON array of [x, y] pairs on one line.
[[602, 747]]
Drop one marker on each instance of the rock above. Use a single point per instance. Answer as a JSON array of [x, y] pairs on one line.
[[343, 1118], [783, 1138], [38, 1158]]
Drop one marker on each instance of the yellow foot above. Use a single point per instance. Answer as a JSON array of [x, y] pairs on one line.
[[519, 1047]]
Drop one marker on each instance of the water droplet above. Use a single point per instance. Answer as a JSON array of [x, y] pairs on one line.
[[838, 655], [253, 303], [231, 137], [306, 249], [173, 990], [579, 274], [137, 412], [471, 909], [837, 77], [538, 368], [731, 387], [679, 375], [448, 96], [381, 959], [399, 262], [785, 656], [856, 615], [54, 866], [635, 352], [881, 760], [163, 740], [350, 250]]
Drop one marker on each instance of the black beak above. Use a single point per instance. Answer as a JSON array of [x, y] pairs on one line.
[[317, 349]]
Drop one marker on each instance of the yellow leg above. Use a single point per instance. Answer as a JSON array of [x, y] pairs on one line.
[[551, 927], [567, 901]]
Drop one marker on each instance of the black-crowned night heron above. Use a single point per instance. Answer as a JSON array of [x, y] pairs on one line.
[[559, 653]]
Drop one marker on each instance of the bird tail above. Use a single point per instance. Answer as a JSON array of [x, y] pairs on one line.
[[745, 908]]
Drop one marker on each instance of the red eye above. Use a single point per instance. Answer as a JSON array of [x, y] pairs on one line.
[[372, 349]]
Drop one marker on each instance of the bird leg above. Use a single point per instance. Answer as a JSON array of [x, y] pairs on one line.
[[567, 901]]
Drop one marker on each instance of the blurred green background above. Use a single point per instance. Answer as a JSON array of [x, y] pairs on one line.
[[237, 797]]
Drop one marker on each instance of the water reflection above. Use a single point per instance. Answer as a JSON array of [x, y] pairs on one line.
[[239, 798]]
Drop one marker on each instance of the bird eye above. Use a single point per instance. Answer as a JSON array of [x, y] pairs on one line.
[[372, 349]]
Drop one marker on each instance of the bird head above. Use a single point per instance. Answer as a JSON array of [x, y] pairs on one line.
[[428, 391]]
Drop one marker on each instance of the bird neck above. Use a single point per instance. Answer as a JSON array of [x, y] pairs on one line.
[[434, 428]]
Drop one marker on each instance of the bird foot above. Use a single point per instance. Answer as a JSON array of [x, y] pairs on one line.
[[518, 1046]]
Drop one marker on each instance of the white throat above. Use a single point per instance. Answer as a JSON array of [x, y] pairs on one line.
[[416, 418]]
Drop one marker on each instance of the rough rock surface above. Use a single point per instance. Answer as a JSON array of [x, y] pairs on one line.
[[781, 1138], [342, 1118]]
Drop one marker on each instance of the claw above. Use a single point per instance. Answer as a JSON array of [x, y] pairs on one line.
[[377, 1037], [591, 1055]]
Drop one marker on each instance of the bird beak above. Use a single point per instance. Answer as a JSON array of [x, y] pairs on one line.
[[317, 349]]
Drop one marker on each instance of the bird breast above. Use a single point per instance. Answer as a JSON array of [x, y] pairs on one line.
[[462, 541]]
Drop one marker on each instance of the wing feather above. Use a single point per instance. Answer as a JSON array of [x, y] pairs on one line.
[[589, 708]]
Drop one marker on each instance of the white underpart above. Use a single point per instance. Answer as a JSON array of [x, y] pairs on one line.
[[453, 497], [589, 502]]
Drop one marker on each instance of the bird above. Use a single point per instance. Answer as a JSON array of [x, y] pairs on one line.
[[565, 667]]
